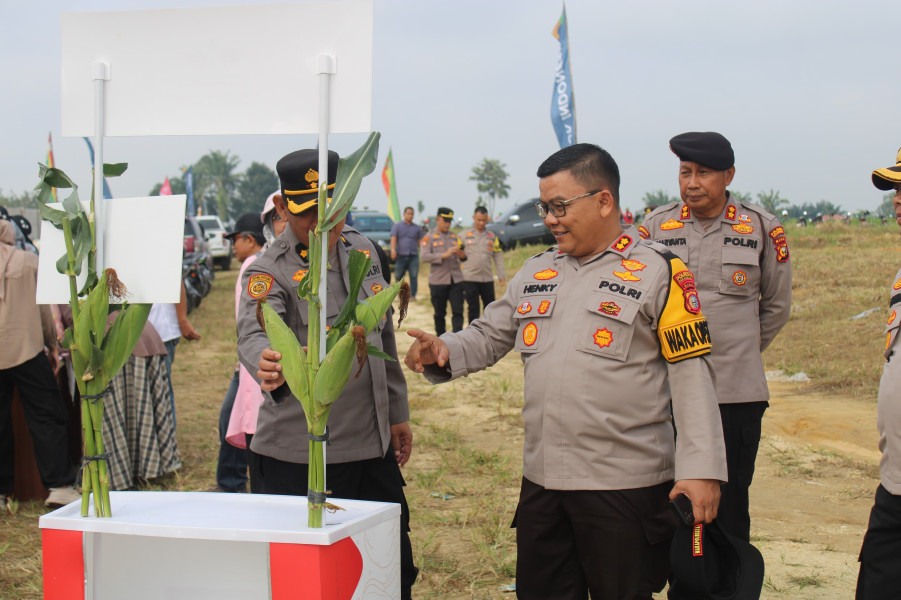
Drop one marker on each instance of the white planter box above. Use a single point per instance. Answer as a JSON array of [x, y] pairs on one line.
[[195, 545]]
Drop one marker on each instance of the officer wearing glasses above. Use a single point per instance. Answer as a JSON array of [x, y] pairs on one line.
[[614, 345]]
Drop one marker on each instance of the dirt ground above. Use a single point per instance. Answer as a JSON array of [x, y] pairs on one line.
[[817, 469]]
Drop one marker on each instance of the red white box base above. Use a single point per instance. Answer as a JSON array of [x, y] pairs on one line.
[[195, 545]]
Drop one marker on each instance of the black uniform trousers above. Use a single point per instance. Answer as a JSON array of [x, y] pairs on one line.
[[375, 479], [46, 415], [473, 291], [440, 296], [741, 431], [613, 544], [880, 555]]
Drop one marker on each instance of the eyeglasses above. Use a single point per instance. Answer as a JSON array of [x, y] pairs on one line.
[[558, 209]]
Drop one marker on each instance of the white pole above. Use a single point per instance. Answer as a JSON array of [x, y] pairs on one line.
[[325, 71], [100, 74]]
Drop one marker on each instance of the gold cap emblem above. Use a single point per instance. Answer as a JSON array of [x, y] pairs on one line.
[[312, 178]]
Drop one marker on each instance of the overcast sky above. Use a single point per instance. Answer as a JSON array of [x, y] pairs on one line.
[[802, 89]]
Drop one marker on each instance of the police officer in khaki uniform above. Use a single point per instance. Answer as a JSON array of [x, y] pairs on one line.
[[613, 345], [443, 250], [369, 431], [739, 253], [482, 249], [880, 556]]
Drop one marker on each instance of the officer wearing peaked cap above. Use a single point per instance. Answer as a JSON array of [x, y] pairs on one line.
[[880, 556], [614, 347], [739, 254], [444, 251], [370, 436]]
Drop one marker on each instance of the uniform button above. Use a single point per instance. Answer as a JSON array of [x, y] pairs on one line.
[[284, 245]]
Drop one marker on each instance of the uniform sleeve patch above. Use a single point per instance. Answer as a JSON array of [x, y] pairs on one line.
[[259, 285], [671, 224], [643, 232], [682, 329], [686, 281], [780, 243]]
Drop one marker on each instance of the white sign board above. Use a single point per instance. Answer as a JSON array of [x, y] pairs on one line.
[[143, 242], [223, 70]]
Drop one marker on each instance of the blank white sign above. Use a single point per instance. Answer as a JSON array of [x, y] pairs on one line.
[[143, 242], [223, 70]]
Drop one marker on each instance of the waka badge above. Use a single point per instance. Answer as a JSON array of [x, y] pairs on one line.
[[627, 276], [376, 288], [730, 212], [739, 278], [603, 338], [686, 281], [622, 243], [259, 285], [686, 213], [299, 274], [544, 306], [671, 224], [643, 232], [609, 308], [545, 275], [633, 265], [524, 308], [743, 228], [530, 334]]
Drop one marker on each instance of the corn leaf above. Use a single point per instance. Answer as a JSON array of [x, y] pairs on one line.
[[114, 169], [335, 370], [358, 265], [351, 171], [54, 177], [370, 311], [122, 337], [378, 353]]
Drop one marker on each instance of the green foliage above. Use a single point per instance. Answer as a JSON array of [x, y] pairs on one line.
[[887, 208], [658, 198], [216, 170], [740, 197], [491, 179], [256, 184], [351, 171], [771, 201]]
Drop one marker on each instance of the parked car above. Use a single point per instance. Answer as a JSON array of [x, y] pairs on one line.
[[220, 248], [522, 225], [376, 226], [195, 238], [197, 264]]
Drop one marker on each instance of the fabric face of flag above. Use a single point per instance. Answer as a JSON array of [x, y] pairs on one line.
[[563, 103], [189, 185], [391, 188], [166, 189]]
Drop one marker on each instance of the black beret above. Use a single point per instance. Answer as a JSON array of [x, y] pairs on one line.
[[706, 148], [298, 174], [889, 177], [445, 213]]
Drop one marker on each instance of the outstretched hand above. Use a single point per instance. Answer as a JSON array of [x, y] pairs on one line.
[[426, 350], [270, 372]]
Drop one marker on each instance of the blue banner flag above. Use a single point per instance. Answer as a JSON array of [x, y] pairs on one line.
[[563, 103], [189, 189], [107, 194]]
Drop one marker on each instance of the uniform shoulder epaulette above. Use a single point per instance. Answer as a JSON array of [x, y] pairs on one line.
[[663, 208], [764, 213], [659, 248]]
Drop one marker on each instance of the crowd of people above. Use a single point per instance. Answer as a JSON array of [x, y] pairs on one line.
[[644, 384]]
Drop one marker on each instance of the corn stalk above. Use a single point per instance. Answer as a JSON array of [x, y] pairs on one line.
[[98, 353], [318, 384]]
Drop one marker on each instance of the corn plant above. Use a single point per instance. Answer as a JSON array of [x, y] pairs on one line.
[[98, 353], [318, 383]]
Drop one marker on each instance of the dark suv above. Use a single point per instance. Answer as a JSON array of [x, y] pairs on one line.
[[375, 225], [520, 226]]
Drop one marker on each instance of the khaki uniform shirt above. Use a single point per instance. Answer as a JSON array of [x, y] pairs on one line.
[[744, 280], [609, 349], [360, 420], [482, 248], [889, 406], [444, 271], [24, 326]]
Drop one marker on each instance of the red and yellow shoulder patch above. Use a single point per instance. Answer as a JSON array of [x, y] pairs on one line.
[[259, 285], [682, 329], [643, 232], [546, 274], [686, 212], [671, 224], [730, 212], [780, 243], [622, 243]]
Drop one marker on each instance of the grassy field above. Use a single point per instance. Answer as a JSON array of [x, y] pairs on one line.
[[464, 475]]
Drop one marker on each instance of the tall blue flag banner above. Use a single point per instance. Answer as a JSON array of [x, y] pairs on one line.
[[189, 189], [563, 102], [107, 194]]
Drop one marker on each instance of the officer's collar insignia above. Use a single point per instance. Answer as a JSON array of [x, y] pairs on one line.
[[671, 224], [643, 232], [633, 265], [546, 274], [627, 276], [299, 274], [730, 212], [603, 338], [301, 250], [743, 228], [686, 213], [344, 240], [622, 243]]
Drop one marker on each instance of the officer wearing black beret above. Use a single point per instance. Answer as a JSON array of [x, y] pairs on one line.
[[739, 254], [444, 251], [369, 428]]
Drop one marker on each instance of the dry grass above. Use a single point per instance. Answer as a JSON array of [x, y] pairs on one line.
[[464, 477]]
